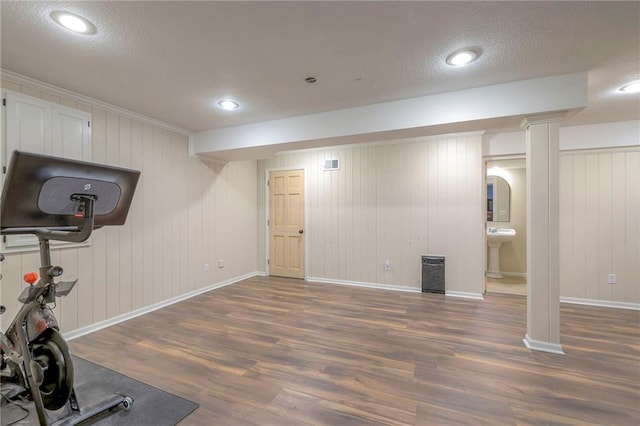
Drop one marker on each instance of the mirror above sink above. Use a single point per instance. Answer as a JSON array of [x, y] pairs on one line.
[[498, 199]]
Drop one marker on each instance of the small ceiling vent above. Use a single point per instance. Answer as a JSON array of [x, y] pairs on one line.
[[332, 164]]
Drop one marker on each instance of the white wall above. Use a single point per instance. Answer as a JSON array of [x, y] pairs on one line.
[[395, 201], [185, 213], [600, 224]]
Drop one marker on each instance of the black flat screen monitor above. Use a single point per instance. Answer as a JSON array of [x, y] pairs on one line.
[[39, 192]]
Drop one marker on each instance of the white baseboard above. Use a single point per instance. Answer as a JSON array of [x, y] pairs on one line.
[[464, 294], [514, 274], [538, 345], [602, 303], [364, 284], [530, 343], [145, 310], [588, 302], [477, 296]]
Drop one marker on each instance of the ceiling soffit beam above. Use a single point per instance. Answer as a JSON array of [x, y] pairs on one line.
[[526, 97]]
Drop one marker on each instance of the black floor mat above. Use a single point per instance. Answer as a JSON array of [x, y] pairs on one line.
[[93, 383]]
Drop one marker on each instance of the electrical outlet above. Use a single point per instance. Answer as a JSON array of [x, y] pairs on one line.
[[221, 263], [387, 265], [205, 267], [612, 278]]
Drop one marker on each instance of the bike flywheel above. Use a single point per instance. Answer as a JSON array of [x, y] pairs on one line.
[[51, 352]]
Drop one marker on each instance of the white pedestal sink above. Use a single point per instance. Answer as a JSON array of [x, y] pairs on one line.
[[495, 238]]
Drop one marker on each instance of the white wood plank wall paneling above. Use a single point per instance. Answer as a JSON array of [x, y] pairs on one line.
[[396, 201], [186, 213], [600, 224]]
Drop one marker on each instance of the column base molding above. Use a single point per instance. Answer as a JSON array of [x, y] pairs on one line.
[[539, 345]]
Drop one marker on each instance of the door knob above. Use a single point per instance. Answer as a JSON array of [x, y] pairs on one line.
[[301, 231]]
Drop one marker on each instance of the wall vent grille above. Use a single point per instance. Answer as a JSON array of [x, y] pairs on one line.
[[332, 164], [433, 274]]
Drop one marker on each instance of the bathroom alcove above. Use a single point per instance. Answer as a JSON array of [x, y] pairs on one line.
[[513, 254]]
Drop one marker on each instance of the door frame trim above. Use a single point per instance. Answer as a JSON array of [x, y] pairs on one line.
[[306, 215]]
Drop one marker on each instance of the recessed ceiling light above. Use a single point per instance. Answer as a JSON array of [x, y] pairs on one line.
[[228, 104], [73, 22], [633, 87], [462, 57]]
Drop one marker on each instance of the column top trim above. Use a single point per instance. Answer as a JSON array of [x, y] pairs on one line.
[[552, 117]]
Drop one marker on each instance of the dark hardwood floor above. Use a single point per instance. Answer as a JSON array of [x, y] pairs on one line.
[[271, 351]]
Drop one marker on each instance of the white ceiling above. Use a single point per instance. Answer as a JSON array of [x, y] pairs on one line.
[[172, 61]]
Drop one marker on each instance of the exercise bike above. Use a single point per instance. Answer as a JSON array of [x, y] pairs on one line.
[[64, 200]]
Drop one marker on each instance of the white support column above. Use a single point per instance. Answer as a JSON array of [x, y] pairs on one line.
[[543, 270]]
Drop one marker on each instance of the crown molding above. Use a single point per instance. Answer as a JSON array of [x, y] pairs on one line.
[[22, 80]]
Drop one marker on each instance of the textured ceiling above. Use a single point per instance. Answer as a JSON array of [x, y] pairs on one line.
[[172, 61]]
